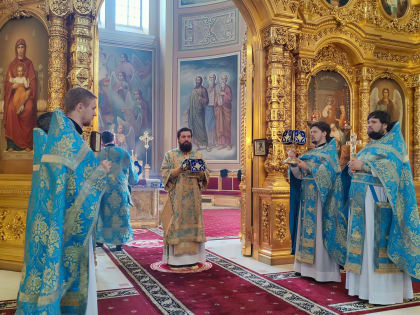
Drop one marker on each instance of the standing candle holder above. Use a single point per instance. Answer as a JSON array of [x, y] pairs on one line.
[[293, 137], [146, 138]]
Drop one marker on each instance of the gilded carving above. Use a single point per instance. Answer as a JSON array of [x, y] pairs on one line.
[[12, 228], [83, 7], [309, 40], [364, 76], [57, 62], [59, 7], [80, 52], [416, 127], [388, 56], [280, 223], [292, 5], [332, 57], [365, 11], [304, 66], [242, 185], [279, 35], [278, 41], [266, 221]]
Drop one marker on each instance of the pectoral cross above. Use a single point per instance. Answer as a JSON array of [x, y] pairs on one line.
[[353, 144]]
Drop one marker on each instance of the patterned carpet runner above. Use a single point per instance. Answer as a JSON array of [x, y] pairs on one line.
[[225, 288]]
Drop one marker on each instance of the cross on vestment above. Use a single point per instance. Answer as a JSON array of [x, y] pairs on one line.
[[353, 144]]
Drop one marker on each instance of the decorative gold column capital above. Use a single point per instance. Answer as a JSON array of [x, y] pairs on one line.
[[84, 7], [365, 74], [276, 35], [304, 65], [59, 8]]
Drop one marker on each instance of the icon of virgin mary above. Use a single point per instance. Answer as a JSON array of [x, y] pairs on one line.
[[20, 86]]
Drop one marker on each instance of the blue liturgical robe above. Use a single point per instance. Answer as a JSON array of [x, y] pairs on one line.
[[40, 141], [397, 225], [114, 214], [324, 179], [65, 208]]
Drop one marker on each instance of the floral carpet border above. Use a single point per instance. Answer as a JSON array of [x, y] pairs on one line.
[[111, 294], [108, 294], [270, 287], [162, 298], [7, 305], [359, 306]]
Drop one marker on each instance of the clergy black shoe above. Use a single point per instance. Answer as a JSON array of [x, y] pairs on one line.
[[99, 244], [118, 248]]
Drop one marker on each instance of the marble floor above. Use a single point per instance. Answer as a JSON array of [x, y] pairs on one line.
[[230, 249]]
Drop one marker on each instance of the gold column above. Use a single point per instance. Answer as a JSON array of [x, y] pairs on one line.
[[364, 76], [416, 129], [271, 203], [246, 148], [81, 51], [57, 49], [81, 65], [304, 66]]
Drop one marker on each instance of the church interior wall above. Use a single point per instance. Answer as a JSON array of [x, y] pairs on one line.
[[205, 37]]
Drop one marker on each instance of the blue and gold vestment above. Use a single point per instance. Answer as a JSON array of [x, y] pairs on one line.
[[323, 178], [55, 273], [114, 213], [40, 141], [398, 220]]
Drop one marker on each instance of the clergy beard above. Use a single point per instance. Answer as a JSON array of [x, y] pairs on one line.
[[376, 135], [185, 147]]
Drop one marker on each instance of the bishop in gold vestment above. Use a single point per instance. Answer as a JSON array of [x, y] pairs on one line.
[[182, 217]]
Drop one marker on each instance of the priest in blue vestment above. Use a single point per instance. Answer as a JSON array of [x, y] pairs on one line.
[[58, 269], [317, 217], [384, 229], [40, 141], [114, 214]]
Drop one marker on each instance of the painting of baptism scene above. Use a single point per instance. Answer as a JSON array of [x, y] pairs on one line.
[[126, 97]]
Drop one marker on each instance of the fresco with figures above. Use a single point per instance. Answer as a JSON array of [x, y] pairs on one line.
[[23, 81], [387, 95], [208, 103], [193, 3], [329, 101], [126, 97]]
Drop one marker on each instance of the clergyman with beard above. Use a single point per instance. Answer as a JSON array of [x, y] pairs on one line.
[[383, 246], [182, 216], [318, 230]]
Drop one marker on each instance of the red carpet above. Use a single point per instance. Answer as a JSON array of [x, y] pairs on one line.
[[226, 288], [334, 295], [215, 291], [222, 223]]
